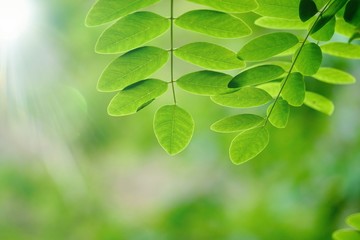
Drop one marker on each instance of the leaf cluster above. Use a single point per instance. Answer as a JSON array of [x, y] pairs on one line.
[[350, 233]]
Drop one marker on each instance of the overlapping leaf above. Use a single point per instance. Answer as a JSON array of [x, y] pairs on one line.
[[346, 234], [294, 89], [288, 9], [281, 23], [344, 50], [278, 113], [307, 9], [309, 59], [354, 221], [326, 32], [237, 123], [334, 76], [319, 103], [233, 6], [352, 13]]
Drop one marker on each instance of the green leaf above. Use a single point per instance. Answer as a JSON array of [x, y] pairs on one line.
[[256, 75], [320, 3], [334, 76], [346, 234], [209, 55], [278, 114], [344, 50], [307, 9], [352, 12], [248, 144], [104, 11], [131, 32], [205, 82], [266, 46], [281, 23], [326, 32], [309, 59], [319, 103], [134, 97], [288, 9], [237, 123], [233, 6], [272, 88], [243, 98], [132, 67], [213, 23], [355, 36], [354, 221], [173, 128], [294, 89], [344, 28]]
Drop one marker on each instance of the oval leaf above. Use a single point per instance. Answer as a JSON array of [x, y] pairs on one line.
[[134, 97], [352, 12], [213, 23], [205, 82], [344, 50], [233, 6], [346, 234], [266, 46], [243, 98], [307, 9], [173, 128], [334, 76], [272, 88], [278, 113], [326, 32], [132, 67], [248, 145], [132, 31], [209, 56], [281, 23], [288, 9], [319, 103], [309, 59], [256, 75], [294, 89], [354, 221], [237, 123], [104, 11]]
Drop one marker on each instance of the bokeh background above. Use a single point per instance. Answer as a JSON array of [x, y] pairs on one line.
[[70, 171]]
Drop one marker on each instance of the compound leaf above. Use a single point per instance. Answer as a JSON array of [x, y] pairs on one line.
[[309, 59], [233, 6], [248, 144], [307, 9], [344, 50], [173, 128], [237, 123], [334, 76], [213, 23], [132, 67], [205, 82], [294, 89], [278, 113], [319, 103], [209, 55], [136, 96], [132, 31]]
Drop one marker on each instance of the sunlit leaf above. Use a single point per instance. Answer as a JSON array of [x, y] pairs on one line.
[[294, 89], [213, 23], [248, 144], [352, 12], [132, 67], [320, 3], [346, 234], [354, 221], [243, 98], [256, 75], [334, 76], [281, 23], [355, 36], [266, 46], [326, 32], [233, 6], [272, 88], [105, 11], [134, 97], [307, 9], [288, 9], [173, 127], [278, 113], [209, 55], [340, 49], [319, 103], [205, 82], [237, 123], [309, 59], [344, 28]]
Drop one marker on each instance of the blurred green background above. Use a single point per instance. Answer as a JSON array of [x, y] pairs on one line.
[[70, 171]]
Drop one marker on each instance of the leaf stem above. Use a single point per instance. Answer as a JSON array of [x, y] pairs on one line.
[[294, 61], [172, 49]]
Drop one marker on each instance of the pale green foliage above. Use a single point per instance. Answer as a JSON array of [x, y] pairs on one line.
[[294, 89], [281, 23], [334, 76], [343, 50], [309, 59], [354, 221], [349, 234], [278, 113], [237, 123], [319, 103], [233, 6]]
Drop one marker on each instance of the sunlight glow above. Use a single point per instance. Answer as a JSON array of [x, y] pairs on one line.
[[15, 19]]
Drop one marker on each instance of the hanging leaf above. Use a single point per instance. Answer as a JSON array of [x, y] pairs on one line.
[[288, 9], [213, 23], [309, 59], [237, 123], [281, 23], [209, 55], [132, 67], [248, 144], [131, 32], [272, 88], [319, 103], [352, 13], [256, 75], [326, 32], [136, 96], [346, 234], [334, 76], [354, 221], [307, 9], [233, 6], [344, 50], [243, 98], [173, 127], [205, 82], [278, 113], [266, 46], [105, 11], [294, 89]]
